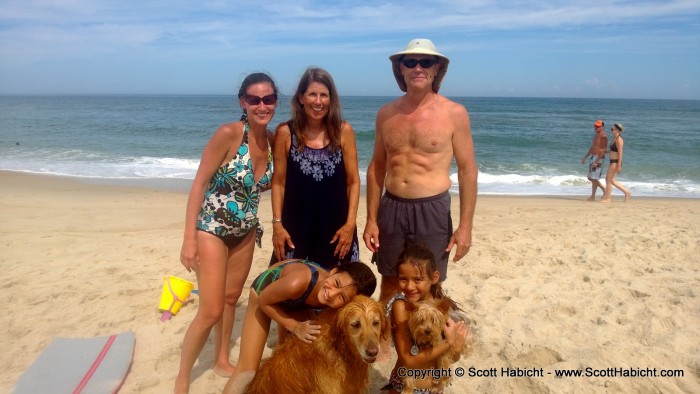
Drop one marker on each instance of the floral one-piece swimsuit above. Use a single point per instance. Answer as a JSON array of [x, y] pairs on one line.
[[230, 207]]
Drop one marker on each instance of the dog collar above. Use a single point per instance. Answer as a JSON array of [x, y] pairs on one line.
[[414, 350]]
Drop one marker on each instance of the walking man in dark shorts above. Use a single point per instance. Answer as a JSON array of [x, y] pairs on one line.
[[417, 135]]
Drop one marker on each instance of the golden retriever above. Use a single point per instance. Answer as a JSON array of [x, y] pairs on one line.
[[336, 362]]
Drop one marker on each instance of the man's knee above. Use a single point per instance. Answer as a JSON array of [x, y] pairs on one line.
[[389, 288]]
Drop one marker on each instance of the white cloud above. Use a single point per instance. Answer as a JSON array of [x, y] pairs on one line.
[[593, 82], [309, 31]]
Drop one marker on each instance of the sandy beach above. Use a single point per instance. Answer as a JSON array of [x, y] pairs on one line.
[[551, 283]]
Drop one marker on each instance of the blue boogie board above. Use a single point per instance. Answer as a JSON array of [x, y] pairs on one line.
[[75, 365]]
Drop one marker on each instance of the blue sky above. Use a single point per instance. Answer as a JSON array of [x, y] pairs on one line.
[[514, 48]]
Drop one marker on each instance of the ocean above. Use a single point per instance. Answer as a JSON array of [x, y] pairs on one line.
[[524, 146]]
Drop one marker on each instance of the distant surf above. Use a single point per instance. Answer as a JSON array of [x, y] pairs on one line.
[[523, 146]]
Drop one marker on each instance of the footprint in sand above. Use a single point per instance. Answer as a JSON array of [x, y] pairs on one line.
[[564, 311], [539, 355], [638, 294]]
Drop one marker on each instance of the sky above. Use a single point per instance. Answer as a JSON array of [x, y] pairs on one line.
[[641, 49]]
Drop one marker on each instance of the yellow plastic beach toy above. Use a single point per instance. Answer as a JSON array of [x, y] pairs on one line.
[[175, 293]]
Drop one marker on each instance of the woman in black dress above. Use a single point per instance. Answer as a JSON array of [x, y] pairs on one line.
[[316, 183]]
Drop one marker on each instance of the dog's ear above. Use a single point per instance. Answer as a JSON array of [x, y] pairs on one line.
[[339, 321], [410, 306], [386, 325], [444, 305]]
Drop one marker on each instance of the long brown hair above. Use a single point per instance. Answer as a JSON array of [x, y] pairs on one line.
[[334, 118]]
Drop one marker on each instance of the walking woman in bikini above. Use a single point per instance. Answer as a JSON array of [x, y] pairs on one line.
[[615, 164]]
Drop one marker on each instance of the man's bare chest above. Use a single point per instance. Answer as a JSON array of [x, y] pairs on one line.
[[417, 135]]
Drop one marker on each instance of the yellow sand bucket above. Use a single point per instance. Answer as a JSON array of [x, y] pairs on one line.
[[175, 293]]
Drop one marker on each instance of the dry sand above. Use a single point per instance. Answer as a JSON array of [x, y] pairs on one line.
[[550, 283]]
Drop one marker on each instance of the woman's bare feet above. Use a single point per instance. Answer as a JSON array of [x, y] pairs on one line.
[[627, 196]]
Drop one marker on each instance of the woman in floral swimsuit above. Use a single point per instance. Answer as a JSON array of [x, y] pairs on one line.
[[221, 223]]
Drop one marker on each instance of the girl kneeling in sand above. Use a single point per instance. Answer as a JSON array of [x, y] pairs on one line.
[[288, 292]]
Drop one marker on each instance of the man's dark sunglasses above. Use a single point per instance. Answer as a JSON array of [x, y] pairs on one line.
[[270, 99], [424, 63]]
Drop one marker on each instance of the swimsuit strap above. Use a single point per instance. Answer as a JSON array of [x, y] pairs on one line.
[[246, 127], [313, 266], [314, 278]]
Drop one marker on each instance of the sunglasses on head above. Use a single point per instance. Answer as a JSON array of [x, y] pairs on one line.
[[270, 99], [424, 63]]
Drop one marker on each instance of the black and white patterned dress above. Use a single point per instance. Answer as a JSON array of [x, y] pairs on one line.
[[316, 204]]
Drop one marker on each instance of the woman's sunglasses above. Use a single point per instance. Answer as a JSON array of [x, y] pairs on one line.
[[270, 99], [424, 63]]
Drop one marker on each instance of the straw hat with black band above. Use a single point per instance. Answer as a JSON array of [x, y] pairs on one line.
[[419, 46]]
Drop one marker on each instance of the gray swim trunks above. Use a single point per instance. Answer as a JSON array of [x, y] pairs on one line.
[[426, 220], [595, 171]]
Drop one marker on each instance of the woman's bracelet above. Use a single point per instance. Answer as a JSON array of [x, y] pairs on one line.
[[276, 221]]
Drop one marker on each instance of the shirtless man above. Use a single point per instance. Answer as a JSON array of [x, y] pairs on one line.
[[597, 154], [417, 135]]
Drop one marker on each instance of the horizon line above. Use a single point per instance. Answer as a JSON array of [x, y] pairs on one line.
[[347, 95]]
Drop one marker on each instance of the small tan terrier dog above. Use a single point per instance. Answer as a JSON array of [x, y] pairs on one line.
[[425, 323]]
